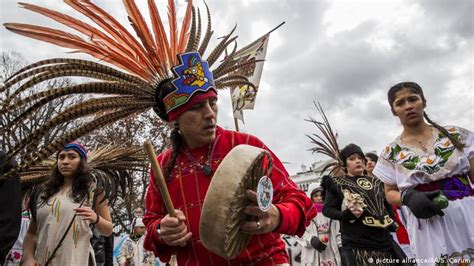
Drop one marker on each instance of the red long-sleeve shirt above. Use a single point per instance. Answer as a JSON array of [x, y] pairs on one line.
[[188, 188]]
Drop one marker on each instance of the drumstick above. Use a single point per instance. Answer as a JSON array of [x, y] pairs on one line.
[[159, 180]]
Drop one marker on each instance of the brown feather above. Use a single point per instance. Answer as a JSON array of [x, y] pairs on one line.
[[58, 67], [234, 67], [52, 94], [233, 84], [91, 64], [110, 166], [326, 140], [61, 73], [220, 47], [229, 60], [79, 110], [209, 32], [77, 133], [197, 39]]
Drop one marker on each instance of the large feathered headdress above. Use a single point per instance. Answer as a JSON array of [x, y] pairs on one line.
[[110, 165], [145, 66]]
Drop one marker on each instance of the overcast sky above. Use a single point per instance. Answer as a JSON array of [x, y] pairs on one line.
[[344, 54]]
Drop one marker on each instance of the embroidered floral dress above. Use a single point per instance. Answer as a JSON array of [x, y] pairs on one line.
[[440, 167], [16, 253], [52, 220]]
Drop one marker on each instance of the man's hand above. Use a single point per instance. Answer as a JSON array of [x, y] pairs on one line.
[[173, 230], [264, 222]]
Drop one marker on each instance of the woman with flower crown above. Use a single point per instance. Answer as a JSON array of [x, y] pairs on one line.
[[428, 169]]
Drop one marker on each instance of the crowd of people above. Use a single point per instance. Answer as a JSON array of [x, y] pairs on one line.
[[408, 206], [421, 182], [361, 218]]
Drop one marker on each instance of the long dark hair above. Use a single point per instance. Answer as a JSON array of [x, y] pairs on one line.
[[415, 88], [80, 186]]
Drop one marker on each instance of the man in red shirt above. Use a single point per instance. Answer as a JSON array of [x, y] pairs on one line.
[[198, 147]]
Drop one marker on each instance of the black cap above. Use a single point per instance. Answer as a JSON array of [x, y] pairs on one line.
[[349, 150]]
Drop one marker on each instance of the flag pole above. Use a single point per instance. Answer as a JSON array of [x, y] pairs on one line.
[[252, 43], [274, 29], [236, 122]]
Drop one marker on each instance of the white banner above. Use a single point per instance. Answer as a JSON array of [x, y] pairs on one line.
[[244, 97]]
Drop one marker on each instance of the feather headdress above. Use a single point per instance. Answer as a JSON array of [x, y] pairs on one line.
[[326, 142], [111, 167], [132, 87]]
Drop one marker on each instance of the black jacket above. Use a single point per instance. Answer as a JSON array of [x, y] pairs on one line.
[[354, 233], [10, 208]]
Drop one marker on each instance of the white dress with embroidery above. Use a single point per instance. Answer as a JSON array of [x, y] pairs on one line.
[[16, 253], [52, 220], [406, 167], [321, 226]]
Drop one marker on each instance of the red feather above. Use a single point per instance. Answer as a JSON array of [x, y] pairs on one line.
[[184, 34], [68, 40], [161, 40], [173, 31], [141, 28], [96, 37], [112, 27]]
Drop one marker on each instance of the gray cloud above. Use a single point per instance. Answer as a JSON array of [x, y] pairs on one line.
[[348, 71]]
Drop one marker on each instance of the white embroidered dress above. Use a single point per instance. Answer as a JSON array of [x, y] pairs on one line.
[[407, 167], [321, 226]]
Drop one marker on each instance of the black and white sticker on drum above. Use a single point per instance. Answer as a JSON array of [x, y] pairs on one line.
[[264, 193]]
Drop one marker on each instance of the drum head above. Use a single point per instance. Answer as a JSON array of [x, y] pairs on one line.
[[222, 212]]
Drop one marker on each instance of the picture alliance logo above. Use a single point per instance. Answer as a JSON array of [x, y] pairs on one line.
[[438, 261]]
